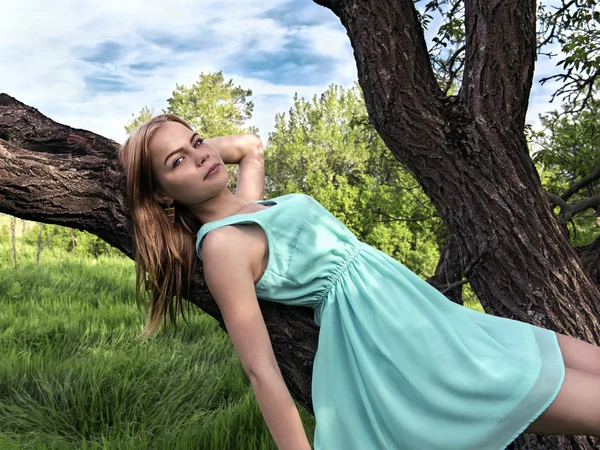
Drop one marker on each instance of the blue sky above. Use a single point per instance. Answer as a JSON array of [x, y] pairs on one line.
[[92, 64]]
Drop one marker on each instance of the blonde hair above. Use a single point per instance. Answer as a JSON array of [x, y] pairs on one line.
[[165, 254]]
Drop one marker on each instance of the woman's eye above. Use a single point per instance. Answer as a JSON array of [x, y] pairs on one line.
[[175, 163], [199, 141]]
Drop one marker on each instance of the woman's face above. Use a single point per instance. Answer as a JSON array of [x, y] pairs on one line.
[[180, 162]]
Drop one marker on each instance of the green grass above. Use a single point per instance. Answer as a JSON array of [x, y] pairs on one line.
[[73, 376]]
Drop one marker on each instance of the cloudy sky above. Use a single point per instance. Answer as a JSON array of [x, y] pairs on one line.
[[92, 64]]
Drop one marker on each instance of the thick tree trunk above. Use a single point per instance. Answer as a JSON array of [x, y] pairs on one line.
[[469, 154], [56, 174]]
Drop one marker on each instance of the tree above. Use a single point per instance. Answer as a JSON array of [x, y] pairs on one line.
[[468, 152], [212, 106]]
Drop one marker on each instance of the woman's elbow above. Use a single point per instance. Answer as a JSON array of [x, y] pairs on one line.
[[255, 144]]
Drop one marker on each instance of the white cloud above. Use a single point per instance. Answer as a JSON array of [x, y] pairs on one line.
[[44, 45]]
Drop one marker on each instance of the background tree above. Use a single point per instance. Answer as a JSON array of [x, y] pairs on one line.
[[574, 26], [568, 156], [211, 106]]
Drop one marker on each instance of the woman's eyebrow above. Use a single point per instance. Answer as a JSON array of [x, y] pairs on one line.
[[180, 149]]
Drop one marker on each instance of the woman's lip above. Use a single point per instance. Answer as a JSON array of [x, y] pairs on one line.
[[212, 170]]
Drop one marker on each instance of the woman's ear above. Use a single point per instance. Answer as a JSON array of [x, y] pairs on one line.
[[161, 198]]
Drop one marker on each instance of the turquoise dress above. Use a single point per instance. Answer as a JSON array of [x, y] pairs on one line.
[[398, 365]]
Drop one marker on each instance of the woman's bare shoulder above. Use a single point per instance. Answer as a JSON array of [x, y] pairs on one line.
[[240, 241]]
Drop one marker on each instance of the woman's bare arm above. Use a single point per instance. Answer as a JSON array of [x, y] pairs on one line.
[[247, 151], [228, 275]]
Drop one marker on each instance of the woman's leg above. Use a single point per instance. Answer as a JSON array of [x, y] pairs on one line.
[[575, 410], [579, 355]]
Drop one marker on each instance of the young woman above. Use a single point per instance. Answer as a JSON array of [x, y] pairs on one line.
[[398, 365]]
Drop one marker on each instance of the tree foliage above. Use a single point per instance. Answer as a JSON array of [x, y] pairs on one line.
[[567, 155], [568, 149], [212, 106], [574, 25]]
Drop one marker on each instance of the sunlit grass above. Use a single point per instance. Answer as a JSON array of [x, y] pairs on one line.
[[74, 377]]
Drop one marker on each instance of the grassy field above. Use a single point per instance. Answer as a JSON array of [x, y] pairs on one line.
[[73, 377]]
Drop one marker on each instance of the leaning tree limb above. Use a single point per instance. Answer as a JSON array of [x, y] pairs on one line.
[[570, 210], [53, 173]]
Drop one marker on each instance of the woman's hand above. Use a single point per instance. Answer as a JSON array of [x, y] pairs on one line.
[[247, 151]]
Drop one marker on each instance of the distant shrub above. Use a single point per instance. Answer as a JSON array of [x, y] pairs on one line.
[[78, 242]]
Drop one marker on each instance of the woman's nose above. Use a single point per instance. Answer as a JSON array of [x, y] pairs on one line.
[[200, 159]]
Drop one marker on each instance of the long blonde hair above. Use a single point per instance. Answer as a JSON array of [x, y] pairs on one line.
[[165, 255]]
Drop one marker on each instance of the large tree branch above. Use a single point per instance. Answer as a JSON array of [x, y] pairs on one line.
[[570, 210], [499, 63], [57, 174], [585, 181], [580, 206], [391, 32], [58, 187]]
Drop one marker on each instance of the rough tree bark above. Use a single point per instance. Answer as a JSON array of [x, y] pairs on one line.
[[470, 155]]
